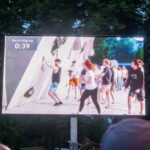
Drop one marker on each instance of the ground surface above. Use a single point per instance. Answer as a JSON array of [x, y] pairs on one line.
[[71, 105]]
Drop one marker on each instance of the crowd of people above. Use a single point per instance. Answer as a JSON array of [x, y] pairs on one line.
[[98, 83]]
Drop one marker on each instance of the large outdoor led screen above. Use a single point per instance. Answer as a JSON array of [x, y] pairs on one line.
[[73, 75]]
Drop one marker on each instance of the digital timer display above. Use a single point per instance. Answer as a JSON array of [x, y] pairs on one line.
[[22, 46], [21, 43]]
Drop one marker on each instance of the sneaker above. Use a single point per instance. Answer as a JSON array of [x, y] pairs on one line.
[[56, 104], [60, 103], [99, 113], [78, 113]]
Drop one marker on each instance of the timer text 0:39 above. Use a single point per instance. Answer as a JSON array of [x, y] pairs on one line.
[[22, 46]]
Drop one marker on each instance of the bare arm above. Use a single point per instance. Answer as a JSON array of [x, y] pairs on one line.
[[81, 79], [50, 66], [44, 61], [100, 75]]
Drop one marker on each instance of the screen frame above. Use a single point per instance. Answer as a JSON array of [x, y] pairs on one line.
[[147, 103]]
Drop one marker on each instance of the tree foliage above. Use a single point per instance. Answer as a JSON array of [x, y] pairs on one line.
[[121, 49], [74, 17]]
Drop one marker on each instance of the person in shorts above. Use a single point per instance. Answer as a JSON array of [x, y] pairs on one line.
[[135, 82], [73, 78], [55, 82], [106, 81]]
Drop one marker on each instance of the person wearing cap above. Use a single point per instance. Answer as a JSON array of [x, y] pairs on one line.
[[128, 134]]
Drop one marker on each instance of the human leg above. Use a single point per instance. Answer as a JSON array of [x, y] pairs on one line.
[[58, 99], [141, 107], [52, 93], [84, 96], [101, 93], [76, 84], [68, 92], [94, 98], [53, 97], [106, 89], [108, 98], [130, 96], [112, 93], [140, 98]]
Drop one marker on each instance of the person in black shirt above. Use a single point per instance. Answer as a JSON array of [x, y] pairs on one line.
[[135, 82], [106, 81], [55, 81]]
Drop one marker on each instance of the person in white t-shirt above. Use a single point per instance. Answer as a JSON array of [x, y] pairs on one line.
[[90, 87]]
